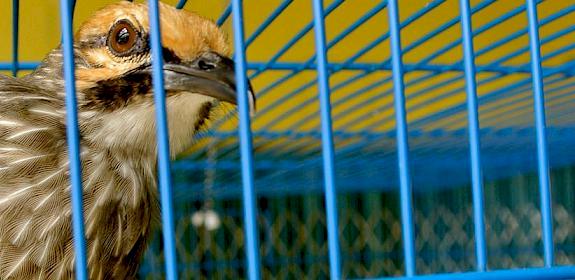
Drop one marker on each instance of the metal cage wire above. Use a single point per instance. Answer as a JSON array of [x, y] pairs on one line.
[[324, 68]]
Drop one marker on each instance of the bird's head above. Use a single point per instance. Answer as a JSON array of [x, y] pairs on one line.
[[114, 83]]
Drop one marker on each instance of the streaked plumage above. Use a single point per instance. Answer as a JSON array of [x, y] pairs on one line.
[[118, 148]]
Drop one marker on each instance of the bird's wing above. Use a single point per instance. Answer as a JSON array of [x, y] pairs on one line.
[[33, 171], [31, 131]]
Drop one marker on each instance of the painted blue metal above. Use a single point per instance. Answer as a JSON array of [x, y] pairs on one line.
[[540, 124], [248, 188], [522, 32], [73, 138], [15, 37], [370, 146], [267, 22], [480, 52], [225, 15], [474, 146], [19, 65], [297, 68], [549, 38], [164, 176], [402, 141], [273, 60], [337, 67], [487, 97], [73, 8], [369, 68], [455, 67], [296, 38], [444, 27], [327, 141], [511, 274], [343, 152], [181, 4], [561, 69]]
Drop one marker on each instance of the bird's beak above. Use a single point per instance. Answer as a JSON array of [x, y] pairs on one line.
[[210, 74]]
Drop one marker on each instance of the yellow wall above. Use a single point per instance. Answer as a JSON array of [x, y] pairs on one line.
[[40, 23]]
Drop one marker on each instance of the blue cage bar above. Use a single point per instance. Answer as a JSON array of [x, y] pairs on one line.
[[402, 141], [333, 134], [327, 141], [164, 177], [474, 147], [248, 190], [542, 158], [73, 135]]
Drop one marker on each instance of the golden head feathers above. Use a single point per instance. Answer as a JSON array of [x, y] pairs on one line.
[[118, 148]]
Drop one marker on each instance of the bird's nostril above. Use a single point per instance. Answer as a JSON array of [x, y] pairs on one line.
[[206, 66]]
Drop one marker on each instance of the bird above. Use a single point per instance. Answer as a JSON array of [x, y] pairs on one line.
[[118, 146]]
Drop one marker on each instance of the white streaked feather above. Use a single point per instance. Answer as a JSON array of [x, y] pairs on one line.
[[15, 194], [50, 226], [23, 190], [47, 249], [26, 97], [22, 230], [51, 175], [9, 123], [61, 271], [27, 159], [41, 274], [24, 132], [44, 200], [9, 149], [44, 112], [18, 264], [94, 251]]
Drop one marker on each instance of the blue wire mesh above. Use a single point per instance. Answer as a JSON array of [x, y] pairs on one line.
[[475, 98]]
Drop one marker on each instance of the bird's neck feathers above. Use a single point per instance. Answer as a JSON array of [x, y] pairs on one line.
[[49, 75], [132, 130]]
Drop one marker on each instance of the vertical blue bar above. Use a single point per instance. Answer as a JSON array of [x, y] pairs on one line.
[[327, 141], [402, 144], [181, 4], [245, 134], [474, 146], [163, 143], [73, 7], [72, 136], [542, 159], [15, 28]]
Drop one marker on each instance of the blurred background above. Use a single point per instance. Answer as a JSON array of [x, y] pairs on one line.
[[287, 144]]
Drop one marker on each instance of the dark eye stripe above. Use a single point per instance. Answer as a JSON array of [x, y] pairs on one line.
[[170, 56]]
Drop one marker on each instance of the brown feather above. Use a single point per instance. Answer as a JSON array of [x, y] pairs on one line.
[[118, 152]]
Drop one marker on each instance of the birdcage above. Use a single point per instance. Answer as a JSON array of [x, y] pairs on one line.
[[423, 139]]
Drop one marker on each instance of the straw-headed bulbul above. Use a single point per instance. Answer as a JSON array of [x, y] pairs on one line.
[[118, 139]]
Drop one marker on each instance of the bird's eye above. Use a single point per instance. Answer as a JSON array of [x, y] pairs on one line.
[[122, 38]]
